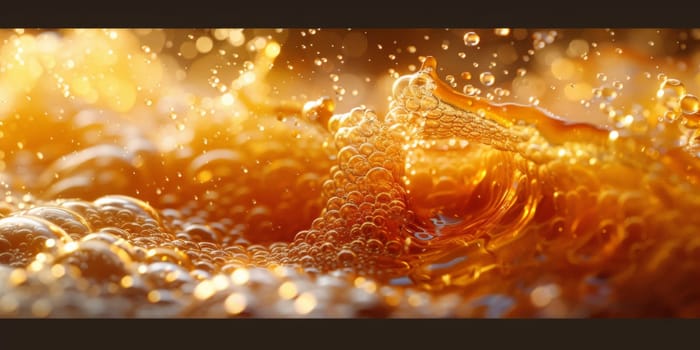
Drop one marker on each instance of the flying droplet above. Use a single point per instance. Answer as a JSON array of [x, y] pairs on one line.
[[487, 78], [471, 39]]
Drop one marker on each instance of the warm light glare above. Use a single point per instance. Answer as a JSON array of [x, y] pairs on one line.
[[305, 303]]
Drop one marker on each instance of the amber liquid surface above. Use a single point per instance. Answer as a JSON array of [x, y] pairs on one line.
[[133, 189]]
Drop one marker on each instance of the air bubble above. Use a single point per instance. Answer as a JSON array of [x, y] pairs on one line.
[[690, 104], [22, 238]]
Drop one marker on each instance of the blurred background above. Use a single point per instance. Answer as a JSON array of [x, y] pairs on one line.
[[580, 74]]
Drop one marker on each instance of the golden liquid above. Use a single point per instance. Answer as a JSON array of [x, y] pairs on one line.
[[447, 205]]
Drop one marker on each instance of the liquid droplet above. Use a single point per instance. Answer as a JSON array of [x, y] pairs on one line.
[[471, 39], [487, 78]]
